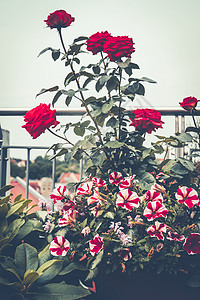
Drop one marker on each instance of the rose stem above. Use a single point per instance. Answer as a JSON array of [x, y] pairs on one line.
[[77, 82]]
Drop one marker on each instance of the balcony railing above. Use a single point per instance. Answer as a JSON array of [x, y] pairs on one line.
[[179, 126]]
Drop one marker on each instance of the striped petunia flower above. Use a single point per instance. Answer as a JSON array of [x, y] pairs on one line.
[[188, 196], [59, 246], [154, 210]]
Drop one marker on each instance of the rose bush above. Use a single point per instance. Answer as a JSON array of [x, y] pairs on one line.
[[129, 211]]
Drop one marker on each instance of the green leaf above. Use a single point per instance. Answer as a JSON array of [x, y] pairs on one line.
[[79, 130], [44, 50], [26, 258], [146, 180], [18, 207], [13, 229], [71, 267], [148, 80], [53, 89], [114, 144], [140, 90], [27, 227], [68, 100], [56, 97], [187, 164], [30, 277], [124, 64], [98, 158], [112, 84], [3, 211], [192, 129], [5, 188], [107, 106], [113, 122], [97, 260], [80, 38], [184, 137], [49, 270], [44, 256], [59, 291], [96, 69]]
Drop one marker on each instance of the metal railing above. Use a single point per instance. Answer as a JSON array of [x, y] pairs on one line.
[[177, 113]]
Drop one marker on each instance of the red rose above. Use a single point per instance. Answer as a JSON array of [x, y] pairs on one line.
[[96, 42], [192, 243], [59, 19], [39, 119], [146, 120], [118, 47], [189, 103]]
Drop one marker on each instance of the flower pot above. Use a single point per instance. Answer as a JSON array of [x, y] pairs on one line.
[[143, 286]]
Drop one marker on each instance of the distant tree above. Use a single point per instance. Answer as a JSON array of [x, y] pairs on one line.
[[15, 170]]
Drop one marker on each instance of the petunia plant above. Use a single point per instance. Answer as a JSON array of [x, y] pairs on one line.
[[129, 211]]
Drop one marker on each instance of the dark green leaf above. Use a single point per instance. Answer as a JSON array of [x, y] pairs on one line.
[[53, 89], [59, 291], [56, 97], [192, 129], [26, 258], [55, 54], [113, 122], [114, 144], [50, 272], [96, 69], [79, 130], [80, 38], [4, 189], [112, 84], [71, 267]]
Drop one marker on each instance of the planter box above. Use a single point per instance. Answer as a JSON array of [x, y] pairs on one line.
[[143, 286]]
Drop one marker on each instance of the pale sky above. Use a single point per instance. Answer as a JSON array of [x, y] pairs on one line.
[[166, 36]]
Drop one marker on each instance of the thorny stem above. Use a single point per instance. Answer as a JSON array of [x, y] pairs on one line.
[[120, 102], [78, 84]]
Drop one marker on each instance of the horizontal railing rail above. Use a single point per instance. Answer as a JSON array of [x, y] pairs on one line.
[[8, 112]]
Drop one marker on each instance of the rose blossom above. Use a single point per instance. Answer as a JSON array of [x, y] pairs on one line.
[[189, 103], [96, 42], [96, 245], [174, 236], [188, 196], [125, 254], [39, 119], [155, 209], [59, 246], [118, 47], [59, 193], [59, 19], [192, 243], [127, 199], [146, 120], [115, 178], [157, 230]]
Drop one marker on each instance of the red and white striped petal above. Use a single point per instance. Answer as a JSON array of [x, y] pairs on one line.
[[127, 199], [59, 246], [96, 245], [157, 230], [152, 195], [95, 198], [188, 196], [154, 210], [116, 178], [127, 182], [85, 189], [59, 193]]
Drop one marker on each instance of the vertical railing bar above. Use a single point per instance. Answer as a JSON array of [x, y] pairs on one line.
[[54, 169], [176, 130], [182, 150], [81, 168], [27, 171]]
